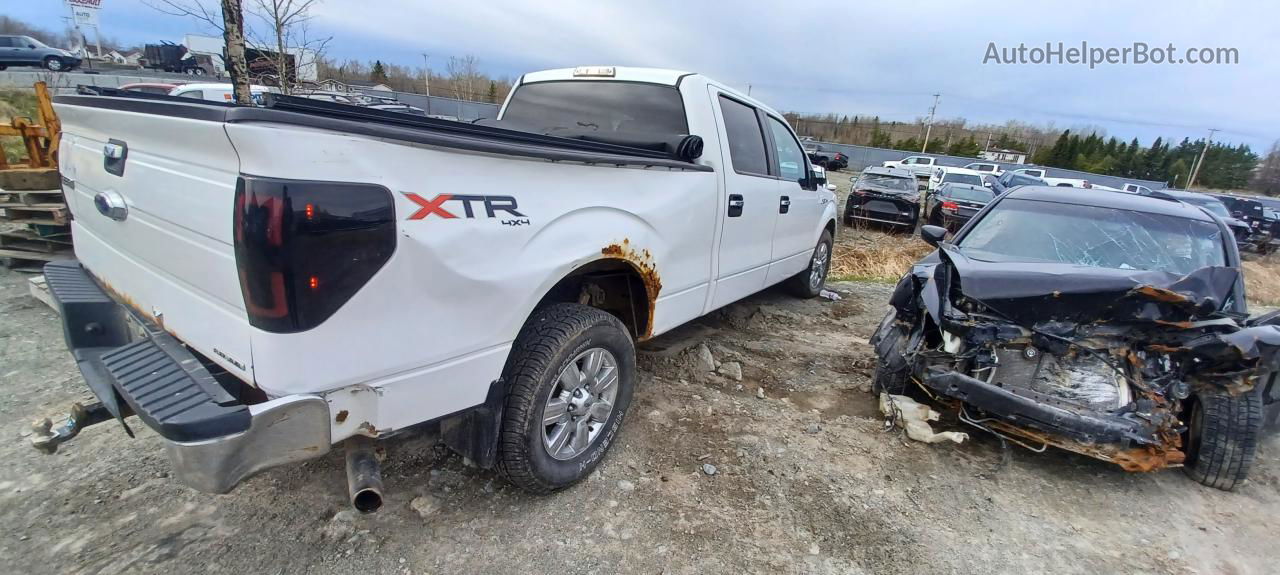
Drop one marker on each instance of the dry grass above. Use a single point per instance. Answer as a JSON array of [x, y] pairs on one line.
[[869, 255], [1262, 281], [15, 103]]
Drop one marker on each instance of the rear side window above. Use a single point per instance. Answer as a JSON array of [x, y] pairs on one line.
[[194, 94], [790, 157], [8, 42], [746, 139]]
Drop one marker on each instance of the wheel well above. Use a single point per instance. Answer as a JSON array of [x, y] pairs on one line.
[[612, 285], [831, 228]]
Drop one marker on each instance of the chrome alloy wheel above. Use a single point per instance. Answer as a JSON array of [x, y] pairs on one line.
[[580, 403], [818, 268]]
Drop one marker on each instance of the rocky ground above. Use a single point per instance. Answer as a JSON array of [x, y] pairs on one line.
[[787, 470]]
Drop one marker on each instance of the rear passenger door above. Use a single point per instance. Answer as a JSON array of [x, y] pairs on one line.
[[749, 205], [795, 234]]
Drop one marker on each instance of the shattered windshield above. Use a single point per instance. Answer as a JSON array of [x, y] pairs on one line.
[[891, 182], [1020, 230]]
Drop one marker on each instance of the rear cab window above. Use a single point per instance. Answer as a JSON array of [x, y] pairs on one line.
[[568, 107]]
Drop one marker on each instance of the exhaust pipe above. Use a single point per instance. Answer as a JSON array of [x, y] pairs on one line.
[[364, 474]]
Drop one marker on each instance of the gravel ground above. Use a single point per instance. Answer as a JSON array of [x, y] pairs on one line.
[[805, 481]]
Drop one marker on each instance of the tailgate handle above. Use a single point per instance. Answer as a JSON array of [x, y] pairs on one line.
[[114, 154], [111, 204]]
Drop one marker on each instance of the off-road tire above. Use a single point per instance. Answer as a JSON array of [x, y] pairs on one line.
[[1222, 438], [800, 285], [554, 336], [54, 64]]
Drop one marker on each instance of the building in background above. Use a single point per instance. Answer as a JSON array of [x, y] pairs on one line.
[[1004, 156]]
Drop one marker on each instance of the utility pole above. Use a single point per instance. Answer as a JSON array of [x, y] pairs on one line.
[[426, 79], [929, 126], [748, 89], [1200, 162], [987, 148]]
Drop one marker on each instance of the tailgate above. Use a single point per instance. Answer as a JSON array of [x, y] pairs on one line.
[[168, 255]]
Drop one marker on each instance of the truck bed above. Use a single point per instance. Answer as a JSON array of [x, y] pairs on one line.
[[317, 114]]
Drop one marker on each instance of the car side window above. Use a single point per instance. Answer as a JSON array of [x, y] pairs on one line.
[[746, 139], [7, 42], [194, 94], [790, 158]]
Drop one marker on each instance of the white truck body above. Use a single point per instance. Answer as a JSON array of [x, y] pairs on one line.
[[987, 168], [1033, 172], [429, 333]]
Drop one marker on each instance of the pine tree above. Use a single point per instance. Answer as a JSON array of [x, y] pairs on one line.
[[378, 74], [492, 96]]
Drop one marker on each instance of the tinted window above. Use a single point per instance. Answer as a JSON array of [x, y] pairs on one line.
[[195, 94], [746, 141], [966, 193], [6, 42], [1021, 180], [790, 157], [962, 179], [891, 182], [1020, 230], [597, 106]]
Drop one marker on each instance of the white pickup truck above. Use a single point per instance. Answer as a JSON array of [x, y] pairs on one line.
[[260, 283], [921, 166]]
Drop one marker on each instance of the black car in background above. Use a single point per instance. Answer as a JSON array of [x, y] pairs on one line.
[[1251, 213], [952, 205], [1238, 228], [1013, 179], [886, 196], [828, 159]]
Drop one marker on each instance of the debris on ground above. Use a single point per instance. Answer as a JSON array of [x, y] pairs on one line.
[[914, 417], [830, 295], [709, 469], [731, 370]]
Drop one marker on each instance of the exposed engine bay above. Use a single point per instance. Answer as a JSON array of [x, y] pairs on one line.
[[1099, 361]]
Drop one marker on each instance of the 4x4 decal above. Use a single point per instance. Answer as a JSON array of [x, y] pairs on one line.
[[492, 205]]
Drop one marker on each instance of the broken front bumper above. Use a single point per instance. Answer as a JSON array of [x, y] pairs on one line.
[[213, 439], [1022, 411]]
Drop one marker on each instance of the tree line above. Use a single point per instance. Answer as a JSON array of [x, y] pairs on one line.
[[461, 80], [1225, 166]]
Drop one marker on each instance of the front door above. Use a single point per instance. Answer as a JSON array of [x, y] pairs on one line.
[[799, 210], [749, 201]]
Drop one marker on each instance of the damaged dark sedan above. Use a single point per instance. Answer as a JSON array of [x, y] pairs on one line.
[[1111, 325]]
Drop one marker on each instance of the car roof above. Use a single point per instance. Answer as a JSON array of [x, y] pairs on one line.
[[951, 170], [894, 172], [1105, 199]]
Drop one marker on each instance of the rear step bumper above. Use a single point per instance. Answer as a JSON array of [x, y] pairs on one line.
[[213, 440]]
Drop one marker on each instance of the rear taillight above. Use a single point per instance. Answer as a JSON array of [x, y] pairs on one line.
[[950, 206], [304, 248]]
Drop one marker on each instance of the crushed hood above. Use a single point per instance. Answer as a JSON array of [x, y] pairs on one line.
[[1036, 292]]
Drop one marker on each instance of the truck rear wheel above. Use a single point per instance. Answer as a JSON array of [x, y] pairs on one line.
[[570, 377], [809, 283], [1222, 438]]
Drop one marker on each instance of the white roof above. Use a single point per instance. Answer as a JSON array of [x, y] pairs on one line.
[[623, 73]]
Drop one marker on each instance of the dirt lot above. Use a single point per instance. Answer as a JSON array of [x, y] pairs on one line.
[[806, 481]]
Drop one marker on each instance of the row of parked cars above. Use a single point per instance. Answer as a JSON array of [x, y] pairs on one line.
[[888, 196]]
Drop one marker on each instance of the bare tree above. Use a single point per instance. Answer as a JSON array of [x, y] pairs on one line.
[[288, 23], [465, 77], [230, 23]]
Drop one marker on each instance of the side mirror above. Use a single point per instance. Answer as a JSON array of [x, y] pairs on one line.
[[933, 235], [831, 187], [987, 184]]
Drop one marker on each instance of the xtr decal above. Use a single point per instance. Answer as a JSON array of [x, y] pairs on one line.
[[492, 205]]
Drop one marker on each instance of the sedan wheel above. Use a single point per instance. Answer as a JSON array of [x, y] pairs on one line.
[[53, 64]]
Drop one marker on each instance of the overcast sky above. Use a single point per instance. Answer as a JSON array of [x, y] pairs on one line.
[[852, 57]]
